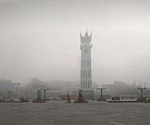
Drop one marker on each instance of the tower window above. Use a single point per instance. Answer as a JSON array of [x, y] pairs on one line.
[[88, 64], [88, 73], [83, 74], [82, 84], [86, 84], [84, 63]]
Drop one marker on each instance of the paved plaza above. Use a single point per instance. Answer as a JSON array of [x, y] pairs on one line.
[[60, 113]]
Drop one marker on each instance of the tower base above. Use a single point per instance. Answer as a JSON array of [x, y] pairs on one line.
[[88, 94]]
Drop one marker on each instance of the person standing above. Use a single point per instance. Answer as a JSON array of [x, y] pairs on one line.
[[68, 98]]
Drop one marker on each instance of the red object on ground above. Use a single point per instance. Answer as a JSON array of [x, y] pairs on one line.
[[80, 98]]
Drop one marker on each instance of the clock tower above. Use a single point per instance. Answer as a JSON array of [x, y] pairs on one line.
[[86, 71]]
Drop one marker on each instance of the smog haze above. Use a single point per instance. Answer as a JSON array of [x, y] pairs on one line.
[[42, 39]]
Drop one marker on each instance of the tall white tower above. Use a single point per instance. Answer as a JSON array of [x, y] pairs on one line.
[[86, 71]]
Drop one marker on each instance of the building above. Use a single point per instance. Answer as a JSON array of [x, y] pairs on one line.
[[6, 85], [86, 71], [8, 88]]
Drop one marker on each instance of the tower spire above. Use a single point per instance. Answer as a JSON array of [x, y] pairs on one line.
[[86, 37], [86, 33]]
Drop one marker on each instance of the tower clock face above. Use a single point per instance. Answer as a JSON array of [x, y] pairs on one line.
[[86, 50]]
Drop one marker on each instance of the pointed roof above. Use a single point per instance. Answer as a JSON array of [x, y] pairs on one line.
[[86, 37]]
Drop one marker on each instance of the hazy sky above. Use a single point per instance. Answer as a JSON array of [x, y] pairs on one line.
[[40, 38]]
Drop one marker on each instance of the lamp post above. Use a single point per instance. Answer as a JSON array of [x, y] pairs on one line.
[[101, 96]]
